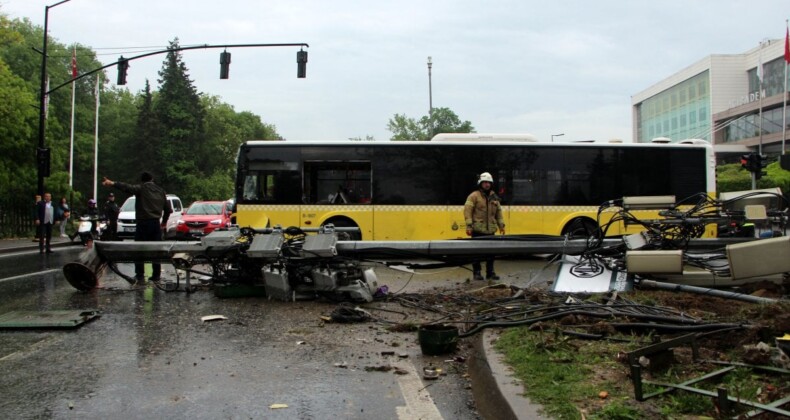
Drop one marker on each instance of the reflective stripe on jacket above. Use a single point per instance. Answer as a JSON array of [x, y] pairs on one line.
[[483, 213]]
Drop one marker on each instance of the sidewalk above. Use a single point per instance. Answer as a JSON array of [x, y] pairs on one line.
[[27, 244]]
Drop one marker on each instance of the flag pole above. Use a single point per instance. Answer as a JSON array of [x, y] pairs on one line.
[[784, 92], [73, 98], [96, 143]]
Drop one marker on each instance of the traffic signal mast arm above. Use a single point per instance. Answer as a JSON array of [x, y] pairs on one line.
[[123, 67]]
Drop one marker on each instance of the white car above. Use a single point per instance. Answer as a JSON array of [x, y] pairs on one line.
[[127, 221]]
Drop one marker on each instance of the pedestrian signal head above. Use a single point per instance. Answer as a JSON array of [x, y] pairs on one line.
[[485, 177]]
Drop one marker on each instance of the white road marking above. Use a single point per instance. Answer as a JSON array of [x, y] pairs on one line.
[[419, 404]]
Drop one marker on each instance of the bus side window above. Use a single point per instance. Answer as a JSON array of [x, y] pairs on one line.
[[259, 186], [337, 182], [251, 191]]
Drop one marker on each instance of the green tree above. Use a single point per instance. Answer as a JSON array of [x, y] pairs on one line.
[[405, 128], [180, 115], [142, 150], [18, 116], [117, 139], [441, 120], [187, 139], [17, 37]]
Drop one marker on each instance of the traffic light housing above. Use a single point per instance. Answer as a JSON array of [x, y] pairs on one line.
[[224, 65], [301, 62], [760, 162], [43, 158], [123, 66], [755, 163]]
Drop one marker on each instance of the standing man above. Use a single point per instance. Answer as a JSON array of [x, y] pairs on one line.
[[483, 215], [111, 211], [152, 209], [37, 199], [45, 218]]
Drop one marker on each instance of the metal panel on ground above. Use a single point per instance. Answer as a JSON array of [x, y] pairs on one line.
[[47, 319]]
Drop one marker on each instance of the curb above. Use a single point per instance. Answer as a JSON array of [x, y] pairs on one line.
[[497, 394], [34, 246]]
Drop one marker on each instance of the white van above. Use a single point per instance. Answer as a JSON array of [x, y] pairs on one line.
[[127, 221]]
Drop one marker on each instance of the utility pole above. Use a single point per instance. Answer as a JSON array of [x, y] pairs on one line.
[[42, 154]]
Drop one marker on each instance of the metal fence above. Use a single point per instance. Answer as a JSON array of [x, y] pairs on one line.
[[17, 218]]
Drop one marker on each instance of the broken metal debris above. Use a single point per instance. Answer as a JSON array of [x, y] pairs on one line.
[[430, 372], [345, 314], [724, 400], [48, 319], [208, 318]]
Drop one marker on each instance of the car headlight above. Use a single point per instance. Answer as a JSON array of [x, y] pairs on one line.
[[216, 222], [180, 222]]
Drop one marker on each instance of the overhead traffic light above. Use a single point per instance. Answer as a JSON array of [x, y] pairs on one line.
[[224, 64], [301, 62], [123, 66]]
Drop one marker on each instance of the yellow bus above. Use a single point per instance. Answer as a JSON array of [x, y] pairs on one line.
[[415, 190]]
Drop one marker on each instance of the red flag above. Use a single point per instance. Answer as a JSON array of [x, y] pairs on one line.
[[74, 64], [787, 46]]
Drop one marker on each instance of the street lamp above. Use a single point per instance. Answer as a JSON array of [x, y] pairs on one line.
[[556, 135], [42, 154], [430, 94]]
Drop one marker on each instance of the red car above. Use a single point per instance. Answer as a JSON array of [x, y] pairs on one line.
[[202, 217]]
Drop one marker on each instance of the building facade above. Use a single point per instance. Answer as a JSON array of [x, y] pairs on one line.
[[719, 99]]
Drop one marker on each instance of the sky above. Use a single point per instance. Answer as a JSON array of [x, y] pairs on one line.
[[544, 68]]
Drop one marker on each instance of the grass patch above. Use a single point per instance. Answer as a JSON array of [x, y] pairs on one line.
[[566, 376], [559, 374]]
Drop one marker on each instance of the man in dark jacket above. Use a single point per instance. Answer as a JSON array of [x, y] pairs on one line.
[[111, 211], [45, 218], [152, 209]]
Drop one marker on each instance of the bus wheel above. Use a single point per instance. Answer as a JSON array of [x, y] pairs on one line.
[[345, 222], [579, 228]]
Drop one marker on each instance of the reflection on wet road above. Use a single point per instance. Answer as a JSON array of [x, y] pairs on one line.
[[150, 355]]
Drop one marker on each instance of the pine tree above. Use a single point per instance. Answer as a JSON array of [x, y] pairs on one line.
[[180, 116]]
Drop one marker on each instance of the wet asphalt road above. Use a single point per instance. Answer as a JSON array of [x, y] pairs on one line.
[[149, 355]]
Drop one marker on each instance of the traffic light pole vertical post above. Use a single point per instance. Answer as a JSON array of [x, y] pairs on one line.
[[42, 114]]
